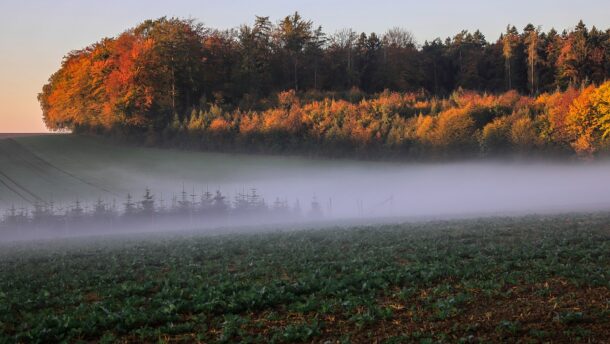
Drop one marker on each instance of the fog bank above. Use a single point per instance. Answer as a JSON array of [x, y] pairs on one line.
[[369, 190], [67, 169]]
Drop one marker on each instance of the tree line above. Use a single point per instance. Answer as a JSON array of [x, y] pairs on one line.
[[157, 80], [188, 210], [391, 124]]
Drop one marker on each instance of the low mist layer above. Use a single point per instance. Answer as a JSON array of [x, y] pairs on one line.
[[71, 171]]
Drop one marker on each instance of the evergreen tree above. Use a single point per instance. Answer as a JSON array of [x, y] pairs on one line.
[[219, 204], [148, 203], [296, 209], [130, 208], [184, 205], [207, 200], [316, 208], [295, 34], [77, 211]]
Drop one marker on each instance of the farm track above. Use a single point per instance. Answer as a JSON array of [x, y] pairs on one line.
[[19, 187], [19, 156], [13, 135], [24, 164], [73, 176], [52, 166], [8, 187]]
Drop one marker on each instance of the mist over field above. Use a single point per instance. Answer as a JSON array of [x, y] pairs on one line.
[[349, 189], [367, 246], [305, 178], [449, 189], [66, 169]]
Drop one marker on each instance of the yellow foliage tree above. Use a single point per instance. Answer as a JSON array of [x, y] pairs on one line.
[[454, 130], [523, 134], [600, 102], [495, 136], [582, 122]]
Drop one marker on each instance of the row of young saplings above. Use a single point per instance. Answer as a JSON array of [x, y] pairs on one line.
[[207, 208]]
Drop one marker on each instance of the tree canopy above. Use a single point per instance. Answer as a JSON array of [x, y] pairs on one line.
[[171, 76]]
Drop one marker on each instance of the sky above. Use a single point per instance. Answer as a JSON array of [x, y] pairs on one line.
[[36, 34]]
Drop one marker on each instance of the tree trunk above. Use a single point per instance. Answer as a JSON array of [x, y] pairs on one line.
[[509, 79], [315, 75], [296, 78]]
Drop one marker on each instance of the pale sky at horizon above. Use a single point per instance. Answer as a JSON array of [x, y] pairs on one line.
[[35, 35]]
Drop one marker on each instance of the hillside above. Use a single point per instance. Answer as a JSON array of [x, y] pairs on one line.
[[70, 168], [64, 168]]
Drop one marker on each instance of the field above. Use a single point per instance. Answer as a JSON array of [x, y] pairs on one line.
[[17, 135], [529, 279]]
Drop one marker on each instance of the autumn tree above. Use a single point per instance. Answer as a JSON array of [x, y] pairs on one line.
[[589, 118], [174, 82], [572, 59], [509, 42], [453, 131], [601, 107], [496, 136], [523, 134]]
